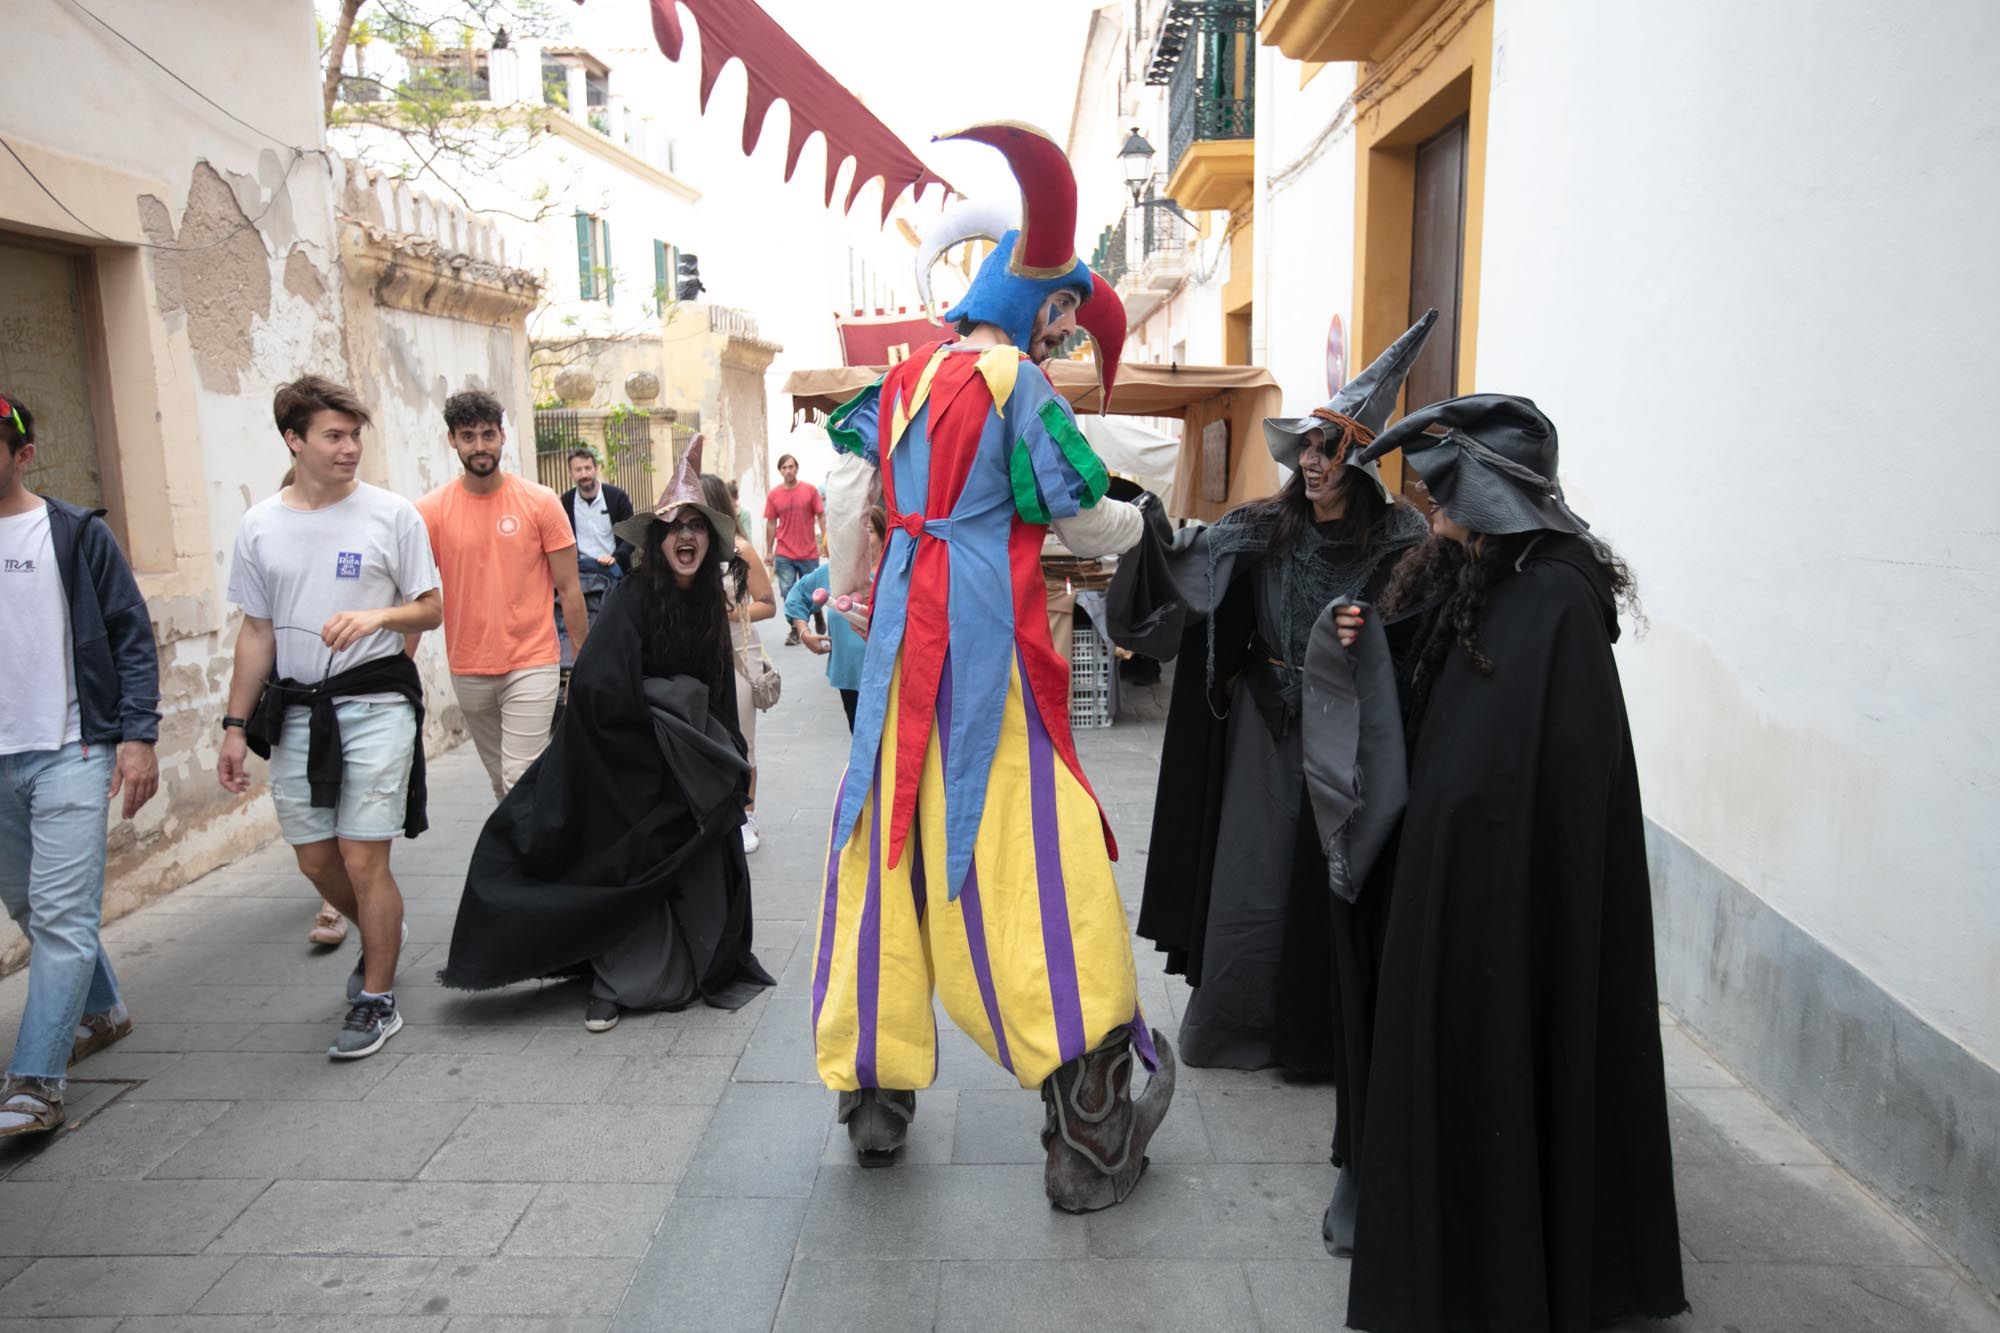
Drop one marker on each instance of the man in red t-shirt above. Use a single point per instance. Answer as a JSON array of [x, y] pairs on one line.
[[795, 529]]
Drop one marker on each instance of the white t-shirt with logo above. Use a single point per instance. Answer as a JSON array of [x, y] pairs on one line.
[[38, 706], [297, 567]]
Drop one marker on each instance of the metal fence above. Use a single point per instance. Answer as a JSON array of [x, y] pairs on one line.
[[625, 459]]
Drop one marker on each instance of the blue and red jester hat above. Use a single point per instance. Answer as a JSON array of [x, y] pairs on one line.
[[1037, 259]]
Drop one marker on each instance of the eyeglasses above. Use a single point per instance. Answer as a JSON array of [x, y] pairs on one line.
[[687, 523]]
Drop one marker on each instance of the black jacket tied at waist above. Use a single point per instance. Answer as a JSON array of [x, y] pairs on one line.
[[395, 674]]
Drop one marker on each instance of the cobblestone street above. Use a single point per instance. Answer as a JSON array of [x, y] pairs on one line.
[[498, 1167]]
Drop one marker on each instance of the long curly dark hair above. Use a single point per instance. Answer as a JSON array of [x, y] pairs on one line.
[[1453, 580], [683, 631]]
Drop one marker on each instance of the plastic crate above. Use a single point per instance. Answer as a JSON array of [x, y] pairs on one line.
[[1090, 668]]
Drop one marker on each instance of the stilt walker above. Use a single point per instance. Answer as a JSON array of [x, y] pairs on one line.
[[968, 855]]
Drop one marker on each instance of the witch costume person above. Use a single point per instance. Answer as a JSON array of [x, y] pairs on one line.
[[1277, 941], [618, 856], [1516, 1174]]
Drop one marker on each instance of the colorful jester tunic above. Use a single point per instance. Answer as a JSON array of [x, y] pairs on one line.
[[967, 853]]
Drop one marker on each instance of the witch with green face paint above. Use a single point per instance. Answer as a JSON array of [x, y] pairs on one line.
[[1256, 882]]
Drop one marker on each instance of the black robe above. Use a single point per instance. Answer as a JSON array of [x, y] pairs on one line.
[[625, 829], [1517, 1175], [1233, 774]]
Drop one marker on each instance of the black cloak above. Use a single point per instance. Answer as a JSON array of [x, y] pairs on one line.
[[625, 828], [1241, 799], [1517, 1174]]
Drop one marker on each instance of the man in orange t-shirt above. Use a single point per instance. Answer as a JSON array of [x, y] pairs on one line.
[[504, 549]]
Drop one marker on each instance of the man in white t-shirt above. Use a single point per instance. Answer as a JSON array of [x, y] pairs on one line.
[[78, 719], [331, 573]]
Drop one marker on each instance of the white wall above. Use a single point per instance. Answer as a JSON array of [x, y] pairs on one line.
[[1743, 256], [1306, 227]]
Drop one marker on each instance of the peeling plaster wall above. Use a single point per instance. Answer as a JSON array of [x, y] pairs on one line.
[[218, 258]]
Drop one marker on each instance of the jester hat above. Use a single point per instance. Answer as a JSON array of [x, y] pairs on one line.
[[1358, 412], [1034, 254], [683, 492]]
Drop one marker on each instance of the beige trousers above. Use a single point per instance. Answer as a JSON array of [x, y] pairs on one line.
[[509, 717]]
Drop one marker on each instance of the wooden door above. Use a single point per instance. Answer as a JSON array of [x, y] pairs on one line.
[[1437, 262]]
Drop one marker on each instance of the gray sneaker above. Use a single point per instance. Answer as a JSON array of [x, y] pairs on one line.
[[357, 976], [369, 1025]]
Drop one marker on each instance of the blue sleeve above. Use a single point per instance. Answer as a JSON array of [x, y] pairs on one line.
[[856, 425], [798, 602], [1054, 471]]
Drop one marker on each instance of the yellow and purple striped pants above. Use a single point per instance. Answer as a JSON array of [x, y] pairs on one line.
[[1033, 959]]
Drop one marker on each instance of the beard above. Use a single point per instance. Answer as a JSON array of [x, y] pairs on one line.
[[480, 465]]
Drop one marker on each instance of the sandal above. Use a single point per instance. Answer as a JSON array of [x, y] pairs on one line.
[[102, 1032], [34, 1098], [329, 927]]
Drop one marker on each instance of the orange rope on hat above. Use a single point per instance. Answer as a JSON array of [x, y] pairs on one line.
[[1352, 433]]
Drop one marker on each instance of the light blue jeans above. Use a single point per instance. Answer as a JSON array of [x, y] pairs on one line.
[[53, 805]]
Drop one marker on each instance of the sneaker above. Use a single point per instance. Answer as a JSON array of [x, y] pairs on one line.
[[600, 1015], [792, 638], [29, 1105], [370, 1023], [751, 840], [355, 978]]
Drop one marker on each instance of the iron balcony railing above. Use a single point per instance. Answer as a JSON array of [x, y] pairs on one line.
[[1207, 56]]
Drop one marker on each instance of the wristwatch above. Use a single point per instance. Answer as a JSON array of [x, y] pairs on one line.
[[228, 722]]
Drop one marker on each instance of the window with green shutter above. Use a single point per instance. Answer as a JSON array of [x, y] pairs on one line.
[[604, 256], [586, 257]]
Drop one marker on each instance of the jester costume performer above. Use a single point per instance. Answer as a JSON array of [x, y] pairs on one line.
[[968, 855]]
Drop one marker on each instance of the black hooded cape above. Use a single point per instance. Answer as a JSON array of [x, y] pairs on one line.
[[1516, 1174], [626, 824]]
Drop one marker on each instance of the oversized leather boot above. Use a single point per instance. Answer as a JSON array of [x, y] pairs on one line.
[[1095, 1134], [877, 1120]]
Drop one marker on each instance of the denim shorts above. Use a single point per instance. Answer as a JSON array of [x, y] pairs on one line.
[[377, 741]]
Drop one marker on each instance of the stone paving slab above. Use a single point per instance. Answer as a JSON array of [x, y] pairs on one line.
[[684, 1170]]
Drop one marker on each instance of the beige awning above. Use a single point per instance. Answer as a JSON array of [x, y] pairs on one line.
[[1196, 395]]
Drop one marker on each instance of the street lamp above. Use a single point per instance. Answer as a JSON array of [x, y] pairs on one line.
[[1136, 157]]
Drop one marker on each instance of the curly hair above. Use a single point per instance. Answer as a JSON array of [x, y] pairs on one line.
[[1453, 579], [683, 631]]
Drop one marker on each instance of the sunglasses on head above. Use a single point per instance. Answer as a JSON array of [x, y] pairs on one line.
[[9, 412]]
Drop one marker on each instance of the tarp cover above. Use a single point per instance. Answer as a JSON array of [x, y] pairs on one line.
[[1197, 395]]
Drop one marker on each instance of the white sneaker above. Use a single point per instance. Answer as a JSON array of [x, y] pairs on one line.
[[751, 841]]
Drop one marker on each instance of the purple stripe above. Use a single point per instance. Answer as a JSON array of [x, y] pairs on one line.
[[982, 968], [914, 854], [968, 899], [823, 965], [868, 977], [1142, 1039], [1056, 944]]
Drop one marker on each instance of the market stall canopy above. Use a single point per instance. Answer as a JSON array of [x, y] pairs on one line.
[[1218, 468], [780, 69]]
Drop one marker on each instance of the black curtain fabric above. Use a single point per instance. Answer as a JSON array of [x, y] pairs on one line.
[[636, 802], [1516, 1173]]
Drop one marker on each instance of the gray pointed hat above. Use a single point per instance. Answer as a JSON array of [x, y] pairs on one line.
[[1359, 410]]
